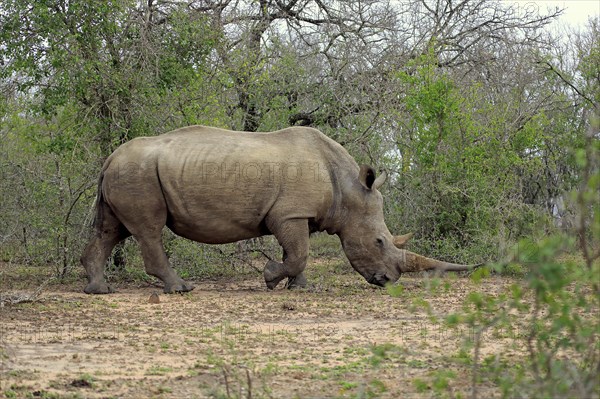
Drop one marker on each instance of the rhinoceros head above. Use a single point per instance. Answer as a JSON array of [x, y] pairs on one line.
[[369, 246]]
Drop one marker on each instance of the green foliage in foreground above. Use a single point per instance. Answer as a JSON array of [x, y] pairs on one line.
[[551, 315]]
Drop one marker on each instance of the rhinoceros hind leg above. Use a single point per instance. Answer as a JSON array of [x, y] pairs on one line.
[[292, 235], [108, 232], [157, 265]]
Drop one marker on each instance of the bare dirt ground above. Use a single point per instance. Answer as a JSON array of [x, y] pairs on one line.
[[340, 338]]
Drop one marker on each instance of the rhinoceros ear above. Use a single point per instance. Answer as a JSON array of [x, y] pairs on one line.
[[366, 176], [379, 181]]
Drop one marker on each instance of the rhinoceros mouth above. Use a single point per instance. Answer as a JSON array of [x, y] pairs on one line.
[[378, 279]]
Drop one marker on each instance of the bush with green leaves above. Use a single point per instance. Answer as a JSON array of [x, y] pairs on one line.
[[552, 313]]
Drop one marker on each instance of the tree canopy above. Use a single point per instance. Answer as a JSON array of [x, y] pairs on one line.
[[475, 107]]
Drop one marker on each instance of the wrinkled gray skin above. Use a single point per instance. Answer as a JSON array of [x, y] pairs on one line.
[[217, 186]]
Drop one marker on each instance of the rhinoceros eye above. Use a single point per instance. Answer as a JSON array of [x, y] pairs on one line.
[[379, 242]]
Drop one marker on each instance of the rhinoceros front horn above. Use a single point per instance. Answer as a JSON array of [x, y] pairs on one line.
[[412, 262]]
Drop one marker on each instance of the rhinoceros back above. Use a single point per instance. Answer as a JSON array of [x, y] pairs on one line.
[[218, 186]]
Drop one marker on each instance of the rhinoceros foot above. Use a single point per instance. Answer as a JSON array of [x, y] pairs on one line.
[[296, 282], [179, 286], [98, 288], [273, 274]]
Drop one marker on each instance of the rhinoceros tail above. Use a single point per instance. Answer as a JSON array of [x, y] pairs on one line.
[[100, 204]]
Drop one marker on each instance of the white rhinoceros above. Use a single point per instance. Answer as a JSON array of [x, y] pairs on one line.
[[217, 186]]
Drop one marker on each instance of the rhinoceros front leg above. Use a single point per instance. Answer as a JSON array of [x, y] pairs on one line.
[[296, 282], [292, 235], [157, 264]]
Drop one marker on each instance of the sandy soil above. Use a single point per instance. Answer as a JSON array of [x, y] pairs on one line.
[[341, 338]]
